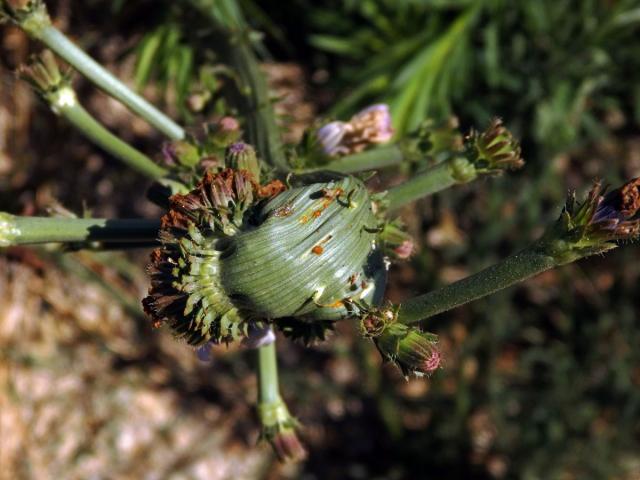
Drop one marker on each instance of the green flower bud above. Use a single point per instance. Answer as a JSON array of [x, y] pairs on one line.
[[234, 252], [397, 242], [493, 150], [241, 156], [279, 429], [413, 351]]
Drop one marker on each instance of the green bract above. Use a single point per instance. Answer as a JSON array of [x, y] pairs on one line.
[[235, 252]]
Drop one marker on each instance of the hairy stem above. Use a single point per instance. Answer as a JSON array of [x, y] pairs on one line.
[[436, 178], [511, 270], [69, 108], [83, 63], [373, 159], [17, 230]]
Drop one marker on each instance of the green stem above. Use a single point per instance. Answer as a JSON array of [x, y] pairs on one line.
[[92, 129], [268, 375], [373, 159], [513, 269], [434, 179], [17, 230], [82, 62], [253, 99]]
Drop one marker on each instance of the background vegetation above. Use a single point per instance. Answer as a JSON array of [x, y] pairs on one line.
[[541, 381]]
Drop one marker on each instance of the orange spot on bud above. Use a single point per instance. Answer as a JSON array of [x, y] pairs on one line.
[[316, 213], [318, 249]]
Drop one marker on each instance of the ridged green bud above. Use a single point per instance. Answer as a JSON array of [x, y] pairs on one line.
[[494, 150], [242, 156], [279, 429], [235, 252], [415, 352]]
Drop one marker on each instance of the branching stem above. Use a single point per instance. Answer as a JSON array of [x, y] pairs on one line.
[[86, 65], [434, 179], [98, 134], [18, 230], [516, 268]]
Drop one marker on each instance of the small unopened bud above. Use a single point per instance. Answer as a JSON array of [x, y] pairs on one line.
[[493, 150], [242, 156], [412, 350], [180, 153], [397, 241], [279, 429], [225, 132]]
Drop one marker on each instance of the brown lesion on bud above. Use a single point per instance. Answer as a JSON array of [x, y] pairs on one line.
[[629, 198], [612, 215]]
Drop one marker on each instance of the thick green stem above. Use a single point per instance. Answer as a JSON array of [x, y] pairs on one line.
[[17, 230], [511, 270], [71, 110], [373, 159], [269, 392], [434, 179], [253, 99], [82, 62]]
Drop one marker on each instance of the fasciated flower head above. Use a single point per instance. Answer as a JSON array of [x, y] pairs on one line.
[[237, 255]]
